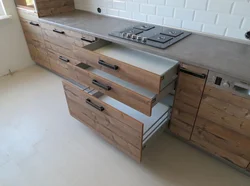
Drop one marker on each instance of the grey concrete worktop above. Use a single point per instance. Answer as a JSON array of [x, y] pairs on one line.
[[215, 54]]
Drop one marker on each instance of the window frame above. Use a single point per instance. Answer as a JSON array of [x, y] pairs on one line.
[[3, 8]]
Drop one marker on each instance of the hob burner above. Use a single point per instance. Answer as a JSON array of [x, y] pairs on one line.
[[160, 38], [144, 27], [172, 32], [133, 31], [151, 35]]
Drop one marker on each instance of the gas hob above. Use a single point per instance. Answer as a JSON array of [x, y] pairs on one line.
[[155, 36]]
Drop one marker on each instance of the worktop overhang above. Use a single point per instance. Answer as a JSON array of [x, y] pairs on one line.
[[223, 56]]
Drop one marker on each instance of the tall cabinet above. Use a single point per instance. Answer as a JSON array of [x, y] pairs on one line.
[[188, 95]]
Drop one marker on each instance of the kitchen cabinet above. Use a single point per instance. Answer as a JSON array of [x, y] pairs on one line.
[[123, 63], [188, 94], [223, 122], [120, 125], [151, 72], [59, 43], [27, 4], [52, 7], [34, 37]]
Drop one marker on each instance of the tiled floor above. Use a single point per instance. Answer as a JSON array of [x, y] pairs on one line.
[[41, 145]]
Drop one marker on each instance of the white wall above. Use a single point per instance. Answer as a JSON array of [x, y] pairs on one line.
[[14, 53], [229, 18]]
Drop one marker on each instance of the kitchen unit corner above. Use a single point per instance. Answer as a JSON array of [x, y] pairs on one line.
[[115, 87]]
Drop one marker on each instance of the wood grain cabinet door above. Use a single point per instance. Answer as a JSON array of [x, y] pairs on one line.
[[223, 126], [188, 95]]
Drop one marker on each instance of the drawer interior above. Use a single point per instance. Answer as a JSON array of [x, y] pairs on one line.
[[160, 112], [149, 62], [119, 81], [160, 115]]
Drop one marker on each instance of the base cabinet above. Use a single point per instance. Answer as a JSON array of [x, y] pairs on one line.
[[223, 126], [189, 91], [34, 37]]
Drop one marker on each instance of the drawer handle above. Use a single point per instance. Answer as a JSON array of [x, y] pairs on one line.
[[103, 63], [100, 108], [34, 24], [64, 59], [87, 40], [105, 87], [202, 76], [59, 32]]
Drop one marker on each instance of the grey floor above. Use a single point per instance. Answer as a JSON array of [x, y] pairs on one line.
[[42, 145]]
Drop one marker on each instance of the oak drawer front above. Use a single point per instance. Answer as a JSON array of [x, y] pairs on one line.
[[32, 30], [59, 49], [86, 75], [124, 63], [27, 14], [59, 63], [136, 97], [39, 55], [118, 128], [221, 144], [42, 57], [122, 126], [65, 38]]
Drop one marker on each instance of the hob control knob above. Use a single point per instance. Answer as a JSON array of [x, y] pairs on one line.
[[129, 35], [124, 34], [139, 38], [133, 36], [226, 84], [144, 39]]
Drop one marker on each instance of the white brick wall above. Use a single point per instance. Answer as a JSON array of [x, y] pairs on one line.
[[230, 18]]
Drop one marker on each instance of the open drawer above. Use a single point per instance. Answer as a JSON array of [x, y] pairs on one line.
[[120, 125], [143, 69], [132, 95]]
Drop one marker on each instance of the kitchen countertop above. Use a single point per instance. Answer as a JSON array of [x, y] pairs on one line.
[[227, 57]]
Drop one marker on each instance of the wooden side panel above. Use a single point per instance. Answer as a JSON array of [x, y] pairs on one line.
[[223, 126], [125, 71], [118, 92], [53, 7], [122, 135], [187, 100], [59, 66]]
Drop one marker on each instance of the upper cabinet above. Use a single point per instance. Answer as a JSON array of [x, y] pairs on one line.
[[52, 7], [46, 7], [27, 4]]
